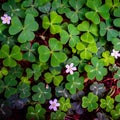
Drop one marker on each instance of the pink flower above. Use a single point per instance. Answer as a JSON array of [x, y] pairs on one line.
[[54, 104], [115, 53], [5, 19], [70, 68]]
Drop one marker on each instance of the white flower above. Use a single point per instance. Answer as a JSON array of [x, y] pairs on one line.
[[54, 104], [115, 53], [70, 68], [5, 19]]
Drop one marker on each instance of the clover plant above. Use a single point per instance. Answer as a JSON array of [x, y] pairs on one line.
[[10, 57], [97, 70], [116, 113], [53, 23], [97, 11], [59, 59], [75, 83], [29, 26], [107, 103], [55, 51], [90, 102], [57, 115], [64, 104], [41, 93], [36, 112], [53, 76]]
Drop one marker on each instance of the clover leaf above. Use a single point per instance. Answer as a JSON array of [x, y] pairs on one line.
[[107, 104], [41, 93], [16, 71], [60, 91], [53, 76], [3, 72], [116, 113], [29, 51], [9, 58], [13, 9], [55, 52], [7, 85], [36, 71], [90, 102], [45, 9], [77, 12], [116, 43], [61, 6], [36, 113], [98, 88], [74, 83], [53, 23], [88, 29], [107, 29], [86, 50], [112, 3], [30, 7], [107, 58], [96, 69], [117, 75], [116, 13], [117, 98], [97, 9], [25, 79], [72, 36], [25, 31], [24, 90], [58, 115], [64, 104]]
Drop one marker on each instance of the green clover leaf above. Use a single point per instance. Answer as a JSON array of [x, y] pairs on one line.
[[55, 52], [106, 28], [29, 51], [13, 9], [116, 113], [36, 71], [9, 58], [24, 90], [117, 77], [117, 98], [8, 86], [74, 83], [112, 3], [96, 69], [25, 31], [77, 11], [53, 76], [116, 43], [107, 104], [97, 9], [71, 36], [64, 104], [107, 58], [58, 115], [53, 23], [90, 102], [16, 71], [36, 113], [30, 7], [3, 72], [41, 93], [88, 29], [116, 13], [86, 50]]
